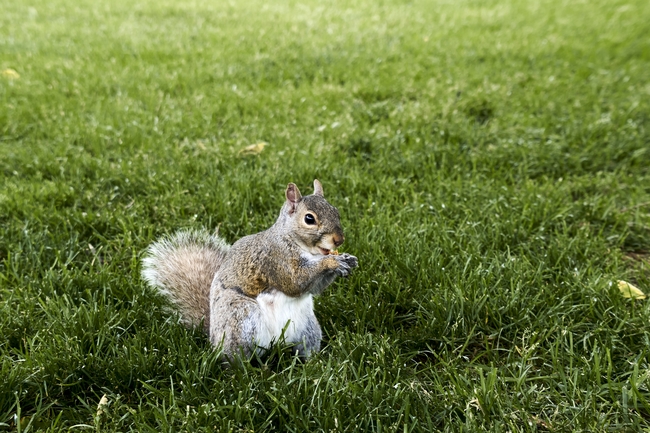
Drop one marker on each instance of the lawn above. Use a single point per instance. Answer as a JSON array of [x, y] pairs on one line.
[[490, 160]]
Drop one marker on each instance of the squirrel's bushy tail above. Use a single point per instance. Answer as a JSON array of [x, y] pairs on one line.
[[182, 267]]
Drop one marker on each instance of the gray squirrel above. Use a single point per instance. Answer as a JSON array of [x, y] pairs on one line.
[[260, 289]]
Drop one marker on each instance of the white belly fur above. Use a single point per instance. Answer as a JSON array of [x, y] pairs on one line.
[[280, 311]]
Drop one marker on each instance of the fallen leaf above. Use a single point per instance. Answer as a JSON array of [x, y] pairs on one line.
[[102, 403], [630, 291], [11, 74], [253, 149]]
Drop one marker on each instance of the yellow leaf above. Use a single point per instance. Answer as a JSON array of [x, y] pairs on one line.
[[253, 149], [630, 291], [11, 74]]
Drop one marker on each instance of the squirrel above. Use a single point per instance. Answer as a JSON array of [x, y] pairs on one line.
[[260, 289]]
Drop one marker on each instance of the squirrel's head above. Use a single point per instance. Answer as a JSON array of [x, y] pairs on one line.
[[315, 224]]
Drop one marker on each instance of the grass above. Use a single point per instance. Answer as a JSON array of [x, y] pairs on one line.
[[490, 161]]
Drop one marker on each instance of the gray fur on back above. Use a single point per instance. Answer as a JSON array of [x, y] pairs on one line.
[[180, 264]]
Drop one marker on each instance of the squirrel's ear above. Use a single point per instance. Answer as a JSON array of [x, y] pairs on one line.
[[318, 188], [293, 197]]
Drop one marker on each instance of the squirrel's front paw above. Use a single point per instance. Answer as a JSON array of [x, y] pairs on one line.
[[346, 263]]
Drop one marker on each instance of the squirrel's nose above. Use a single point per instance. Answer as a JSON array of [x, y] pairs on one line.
[[338, 240]]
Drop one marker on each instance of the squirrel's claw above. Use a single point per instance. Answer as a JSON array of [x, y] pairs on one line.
[[346, 263]]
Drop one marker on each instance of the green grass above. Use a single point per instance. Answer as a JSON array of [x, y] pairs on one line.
[[491, 162]]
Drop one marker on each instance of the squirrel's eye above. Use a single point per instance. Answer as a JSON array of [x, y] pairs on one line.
[[309, 219]]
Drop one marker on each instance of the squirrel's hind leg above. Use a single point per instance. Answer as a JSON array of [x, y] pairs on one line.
[[235, 322]]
